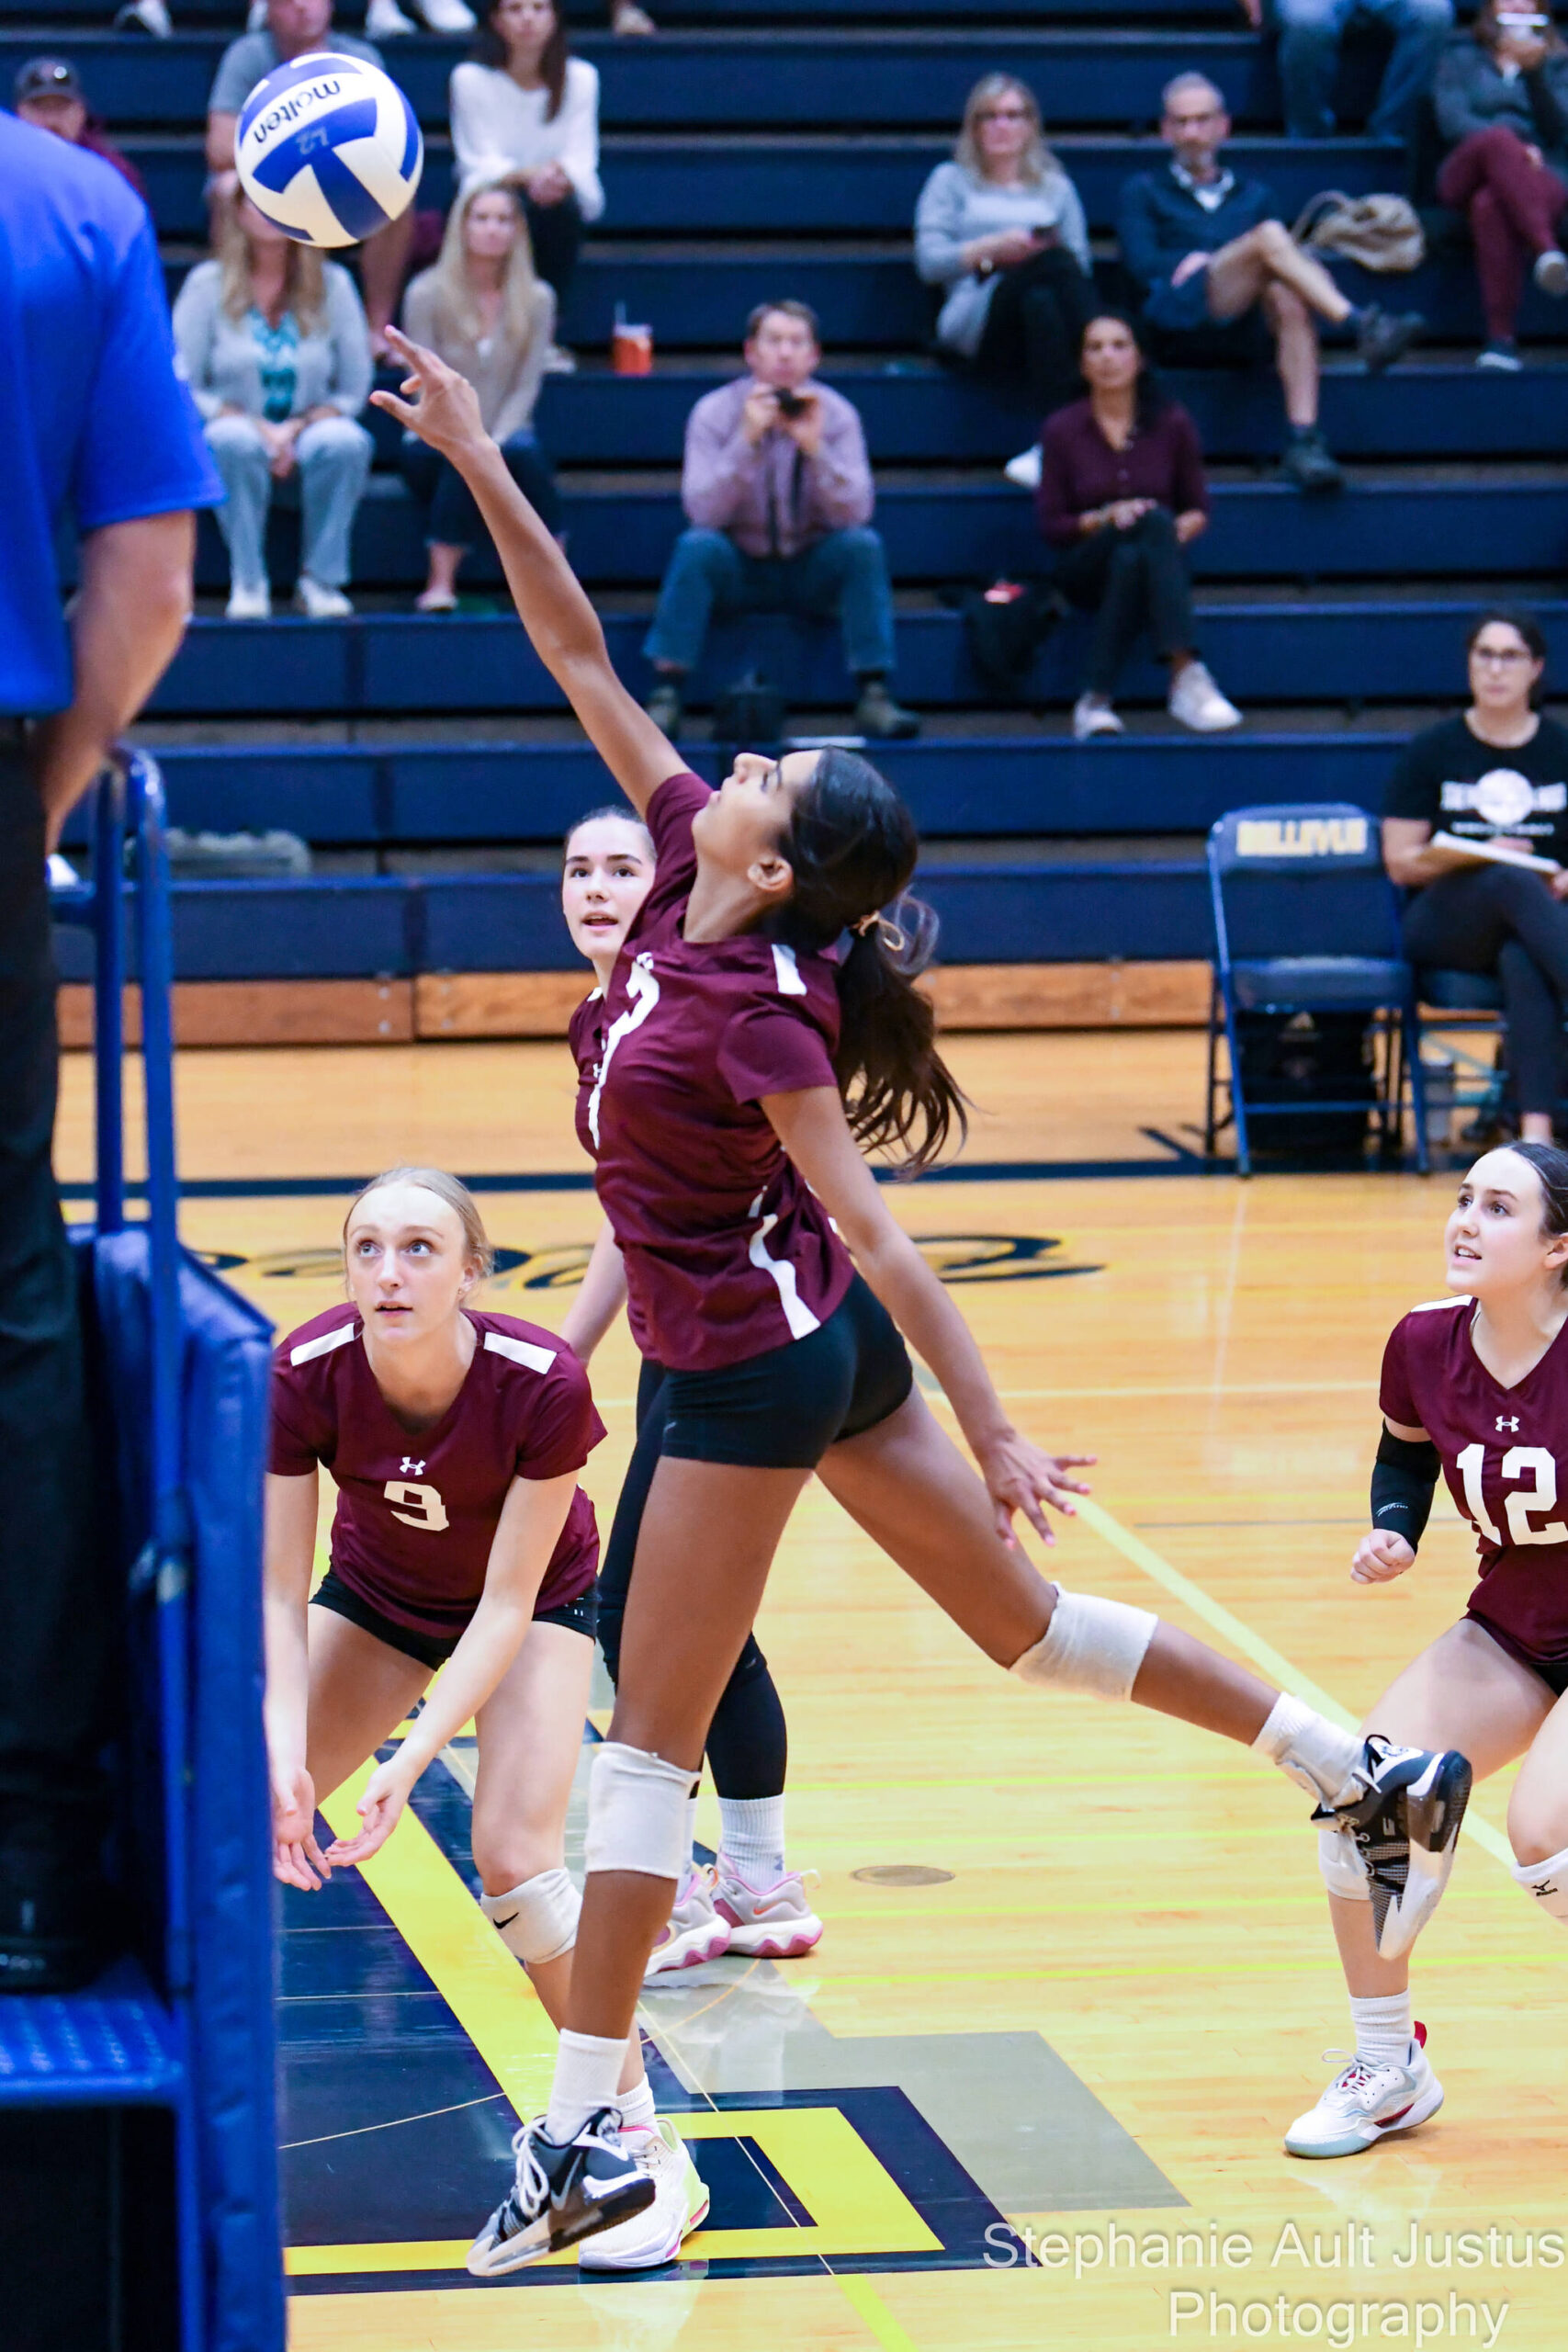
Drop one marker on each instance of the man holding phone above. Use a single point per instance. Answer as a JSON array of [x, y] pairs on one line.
[[1500, 97], [777, 489]]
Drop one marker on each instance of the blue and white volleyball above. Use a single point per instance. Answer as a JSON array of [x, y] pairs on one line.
[[329, 150]]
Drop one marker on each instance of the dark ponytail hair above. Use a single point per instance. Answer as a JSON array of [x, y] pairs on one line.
[[1550, 1166], [852, 846]]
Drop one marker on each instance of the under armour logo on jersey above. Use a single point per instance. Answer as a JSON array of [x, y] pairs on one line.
[[413, 1469], [1504, 1424]]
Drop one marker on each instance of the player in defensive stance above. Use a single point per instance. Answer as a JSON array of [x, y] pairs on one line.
[[749, 1904], [761, 1030], [1474, 1387], [461, 1540]]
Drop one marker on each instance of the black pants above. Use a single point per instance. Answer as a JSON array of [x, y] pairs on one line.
[[1504, 920], [748, 1743], [57, 1625], [555, 231], [1035, 327], [452, 515], [1133, 580]]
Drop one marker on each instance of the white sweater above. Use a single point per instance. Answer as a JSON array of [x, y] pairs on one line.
[[499, 127]]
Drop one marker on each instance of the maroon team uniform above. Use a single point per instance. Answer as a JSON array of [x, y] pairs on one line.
[[728, 1251], [1504, 1455], [416, 1516]]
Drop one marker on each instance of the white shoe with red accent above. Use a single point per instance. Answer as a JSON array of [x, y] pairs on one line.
[[694, 1932], [680, 2204], [1364, 2103], [768, 1922]]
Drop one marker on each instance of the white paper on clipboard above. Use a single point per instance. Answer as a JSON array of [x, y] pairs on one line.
[[1493, 854]]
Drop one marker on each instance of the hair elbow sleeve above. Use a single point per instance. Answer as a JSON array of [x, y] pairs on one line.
[[1404, 1478]]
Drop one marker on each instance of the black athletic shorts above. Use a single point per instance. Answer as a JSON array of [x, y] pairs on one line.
[[782, 1411], [1554, 1671], [433, 1649]]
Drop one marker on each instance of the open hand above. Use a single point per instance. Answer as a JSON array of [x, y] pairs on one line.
[[438, 405], [1018, 1477], [1380, 1558], [386, 1794], [297, 1858]]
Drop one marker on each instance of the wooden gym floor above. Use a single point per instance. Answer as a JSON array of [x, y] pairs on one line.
[[1077, 1975]]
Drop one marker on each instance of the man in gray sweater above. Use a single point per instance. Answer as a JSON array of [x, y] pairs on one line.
[[777, 489]]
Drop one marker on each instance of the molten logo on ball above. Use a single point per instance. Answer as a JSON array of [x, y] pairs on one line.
[[329, 150]]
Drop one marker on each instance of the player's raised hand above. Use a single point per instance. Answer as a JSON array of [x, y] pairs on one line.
[[437, 403], [297, 1858], [386, 1794], [1019, 1477], [1380, 1558]]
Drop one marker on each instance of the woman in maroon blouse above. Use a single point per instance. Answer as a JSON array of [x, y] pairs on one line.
[[1123, 494], [761, 1032]]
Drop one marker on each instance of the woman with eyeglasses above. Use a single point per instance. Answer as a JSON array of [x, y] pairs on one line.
[[1001, 230], [1494, 779], [1501, 97]]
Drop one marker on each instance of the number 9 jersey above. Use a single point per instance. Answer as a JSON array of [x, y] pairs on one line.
[[1501, 1459]]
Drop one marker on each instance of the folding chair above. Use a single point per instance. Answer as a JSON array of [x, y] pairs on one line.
[[1305, 920]]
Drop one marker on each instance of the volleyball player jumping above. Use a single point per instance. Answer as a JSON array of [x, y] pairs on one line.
[[463, 1541], [1475, 1387], [749, 1904], [761, 1030]]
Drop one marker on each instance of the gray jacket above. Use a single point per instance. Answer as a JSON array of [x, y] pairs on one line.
[[218, 354], [954, 209], [1471, 94]]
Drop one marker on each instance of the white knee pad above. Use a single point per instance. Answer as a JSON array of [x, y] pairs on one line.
[[637, 1812], [1089, 1645], [1548, 1882], [1344, 1871], [538, 1920]]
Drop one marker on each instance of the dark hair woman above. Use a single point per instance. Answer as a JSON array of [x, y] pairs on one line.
[[1501, 95], [762, 1026], [525, 114], [1495, 781], [1122, 494]]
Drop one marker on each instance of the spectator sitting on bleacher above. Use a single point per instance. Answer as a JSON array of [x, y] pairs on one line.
[[274, 345], [1002, 228], [1310, 32], [1496, 775], [384, 19], [1221, 274], [292, 28], [777, 487], [1502, 100], [49, 95], [1123, 494], [483, 310], [525, 114]]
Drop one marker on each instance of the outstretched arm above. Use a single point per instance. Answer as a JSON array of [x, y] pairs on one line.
[[600, 1298], [442, 407], [286, 1592]]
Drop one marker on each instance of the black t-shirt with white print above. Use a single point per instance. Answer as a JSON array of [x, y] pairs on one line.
[[1447, 777]]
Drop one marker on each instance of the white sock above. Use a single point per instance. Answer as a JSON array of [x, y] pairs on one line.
[[588, 2067], [1384, 2030], [692, 1823], [1309, 1748], [636, 2107], [752, 1830]]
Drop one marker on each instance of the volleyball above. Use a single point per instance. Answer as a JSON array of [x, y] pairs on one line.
[[329, 150]]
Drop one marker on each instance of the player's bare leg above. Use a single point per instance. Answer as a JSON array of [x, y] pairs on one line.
[[360, 1691]]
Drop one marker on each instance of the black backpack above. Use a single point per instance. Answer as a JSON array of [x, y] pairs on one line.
[[1005, 625]]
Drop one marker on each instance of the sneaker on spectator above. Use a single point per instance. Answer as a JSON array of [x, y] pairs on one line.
[[559, 361], [318, 602], [1550, 272], [664, 708], [384, 20], [1195, 701], [1383, 336], [446, 15], [876, 713], [1502, 357], [628, 19], [1024, 470], [249, 603], [1092, 716], [1310, 464], [144, 16]]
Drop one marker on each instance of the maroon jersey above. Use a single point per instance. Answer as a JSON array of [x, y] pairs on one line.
[[728, 1251], [1504, 1455], [416, 1516]]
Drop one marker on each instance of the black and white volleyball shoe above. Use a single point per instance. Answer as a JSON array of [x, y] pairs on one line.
[[1405, 1821], [562, 2193]]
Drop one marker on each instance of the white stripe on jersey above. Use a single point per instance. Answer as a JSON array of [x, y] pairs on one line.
[[523, 1351], [797, 1314], [643, 988], [308, 1349], [786, 972], [1431, 1306]]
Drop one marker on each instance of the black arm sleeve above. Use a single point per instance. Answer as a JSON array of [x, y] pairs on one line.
[[1405, 1477]]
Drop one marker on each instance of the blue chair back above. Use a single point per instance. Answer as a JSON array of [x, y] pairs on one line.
[[1301, 879]]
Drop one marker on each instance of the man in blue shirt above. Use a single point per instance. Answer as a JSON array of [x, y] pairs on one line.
[[97, 429], [1222, 276]]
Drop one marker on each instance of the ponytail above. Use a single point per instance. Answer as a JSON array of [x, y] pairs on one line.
[[852, 846]]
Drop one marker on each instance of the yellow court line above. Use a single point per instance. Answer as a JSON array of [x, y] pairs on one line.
[[1241, 1636], [875, 2314]]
